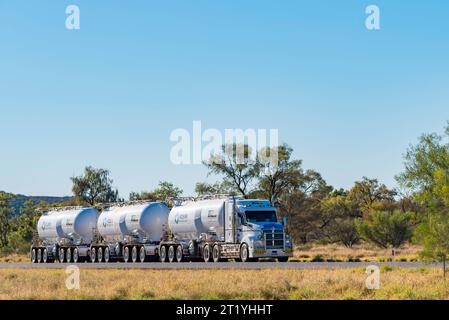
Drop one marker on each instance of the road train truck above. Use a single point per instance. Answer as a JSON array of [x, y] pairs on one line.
[[209, 230], [225, 228]]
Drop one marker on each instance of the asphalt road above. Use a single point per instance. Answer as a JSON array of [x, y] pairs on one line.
[[218, 266]]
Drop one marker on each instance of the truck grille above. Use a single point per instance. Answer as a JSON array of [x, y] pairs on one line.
[[274, 239]]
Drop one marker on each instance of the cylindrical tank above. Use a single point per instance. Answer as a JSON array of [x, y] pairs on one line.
[[144, 220], [72, 224], [190, 220]]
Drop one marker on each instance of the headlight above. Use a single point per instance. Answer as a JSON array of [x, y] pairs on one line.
[[260, 236]]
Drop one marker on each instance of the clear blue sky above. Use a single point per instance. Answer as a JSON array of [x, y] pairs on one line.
[[348, 100]]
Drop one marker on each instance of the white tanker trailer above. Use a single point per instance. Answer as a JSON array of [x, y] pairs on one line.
[[129, 232], [64, 234], [225, 228]]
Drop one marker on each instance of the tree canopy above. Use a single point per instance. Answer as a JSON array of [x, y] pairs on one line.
[[94, 186], [426, 174], [163, 192], [237, 166]]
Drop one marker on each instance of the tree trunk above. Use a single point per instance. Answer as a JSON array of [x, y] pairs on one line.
[[393, 254], [444, 266]]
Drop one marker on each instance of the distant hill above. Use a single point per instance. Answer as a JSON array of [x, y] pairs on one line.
[[20, 199]]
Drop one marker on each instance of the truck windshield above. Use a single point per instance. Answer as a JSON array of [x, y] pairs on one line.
[[261, 216]]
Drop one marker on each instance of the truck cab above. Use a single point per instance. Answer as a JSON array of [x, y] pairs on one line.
[[260, 230]]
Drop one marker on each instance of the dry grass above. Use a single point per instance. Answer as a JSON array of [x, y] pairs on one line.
[[15, 258], [362, 252], [223, 284]]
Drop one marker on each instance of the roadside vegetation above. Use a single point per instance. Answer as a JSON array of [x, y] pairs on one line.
[[364, 252], [276, 284]]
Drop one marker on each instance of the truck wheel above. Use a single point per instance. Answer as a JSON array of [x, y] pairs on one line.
[[206, 253], [61, 256], [216, 254], [244, 254], [100, 255], [39, 255], [171, 254], [134, 254], [126, 254], [45, 256], [93, 255], [33, 256], [68, 255], [76, 255], [163, 254], [142, 255], [179, 253], [107, 255], [283, 259]]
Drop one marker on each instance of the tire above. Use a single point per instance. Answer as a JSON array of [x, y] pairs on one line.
[[100, 255], [283, 259], [207, 256], [244, 253], [76, 256], [39, 255], [142, 255], [93, 255], [179, 253], [126, 254], [68, 255], [171, 254], [216, 254], [45, 256], [33, 256], [61, 255], [107, 255], [163, 254], [134, 254]]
